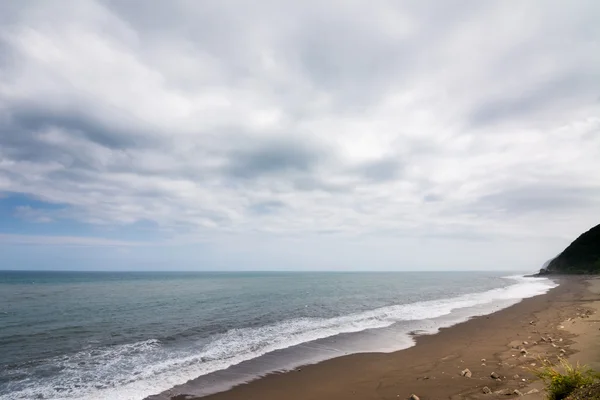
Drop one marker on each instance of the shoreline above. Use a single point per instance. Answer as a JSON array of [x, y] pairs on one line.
[[399, 335], [431, 368]]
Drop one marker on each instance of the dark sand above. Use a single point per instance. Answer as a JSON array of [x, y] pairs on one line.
[[431, 369]]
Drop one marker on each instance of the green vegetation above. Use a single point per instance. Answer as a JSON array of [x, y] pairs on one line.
[[564, 379], [591, 392], [581, 257]]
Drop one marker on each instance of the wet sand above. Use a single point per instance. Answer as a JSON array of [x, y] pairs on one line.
[[564, 317]]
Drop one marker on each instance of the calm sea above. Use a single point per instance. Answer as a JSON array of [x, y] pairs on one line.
[[86, 335]]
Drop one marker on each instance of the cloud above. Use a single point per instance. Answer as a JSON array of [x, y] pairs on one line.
[[267, 207], [381, 170], [540, 199], [277, 157], [472, 119], [14, 239], [548, 97], [31, 214]]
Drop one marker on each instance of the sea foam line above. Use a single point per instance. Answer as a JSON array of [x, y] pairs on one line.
[[134, 371]]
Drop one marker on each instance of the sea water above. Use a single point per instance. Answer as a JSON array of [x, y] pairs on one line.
[[100, 335]]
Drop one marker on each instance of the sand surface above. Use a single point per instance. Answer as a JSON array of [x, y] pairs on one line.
[[565, 321]]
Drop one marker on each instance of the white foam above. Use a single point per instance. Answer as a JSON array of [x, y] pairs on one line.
[[134, 371]]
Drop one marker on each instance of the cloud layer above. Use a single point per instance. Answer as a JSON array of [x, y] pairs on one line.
[[211, 120]]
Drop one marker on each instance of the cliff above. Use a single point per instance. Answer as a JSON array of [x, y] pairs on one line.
[[581, 257]]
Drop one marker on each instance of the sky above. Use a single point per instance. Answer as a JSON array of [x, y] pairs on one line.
[[297, 135]]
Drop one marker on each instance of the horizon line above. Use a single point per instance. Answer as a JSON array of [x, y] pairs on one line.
[[258, 270]]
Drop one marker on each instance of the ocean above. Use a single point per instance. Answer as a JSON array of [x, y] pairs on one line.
[[129, 335]]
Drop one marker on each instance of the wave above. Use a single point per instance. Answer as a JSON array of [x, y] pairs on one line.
[[133, 371]]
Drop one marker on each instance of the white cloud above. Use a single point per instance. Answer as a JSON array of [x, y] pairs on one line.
[[291, 119]]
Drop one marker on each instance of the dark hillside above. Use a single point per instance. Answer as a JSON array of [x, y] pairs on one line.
[[581, 257]]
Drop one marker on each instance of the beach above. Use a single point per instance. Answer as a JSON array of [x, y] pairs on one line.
[[508, 343]]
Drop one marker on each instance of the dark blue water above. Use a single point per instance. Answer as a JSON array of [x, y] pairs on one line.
[[86, 335]]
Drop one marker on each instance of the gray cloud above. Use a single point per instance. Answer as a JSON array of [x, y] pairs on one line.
[[542, 199], [381, 170], [29, 120], [547, 97], [273, 157], [432, 197], [267, 207]]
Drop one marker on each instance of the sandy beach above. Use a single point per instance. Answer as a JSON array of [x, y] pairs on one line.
[[507, 343]]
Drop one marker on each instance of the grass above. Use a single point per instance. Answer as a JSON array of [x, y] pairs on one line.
[[590, 392], [561, 380]]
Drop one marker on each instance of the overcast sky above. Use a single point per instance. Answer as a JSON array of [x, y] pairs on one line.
[[227, 135]]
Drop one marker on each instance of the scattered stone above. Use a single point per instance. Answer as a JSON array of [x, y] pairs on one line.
[[483, 360], [532, 391], [535, 343], [494, 375], [533, 364], [486, 390], [516, 376], [523, 351], [531, 322], [554, 345], [542, 339], [562, 351], [414, 397], [503, 391], [517, 392], [466, 373], [498, 380], [525, 343]]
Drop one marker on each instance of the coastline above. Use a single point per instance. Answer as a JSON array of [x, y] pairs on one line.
[[431, 368]]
